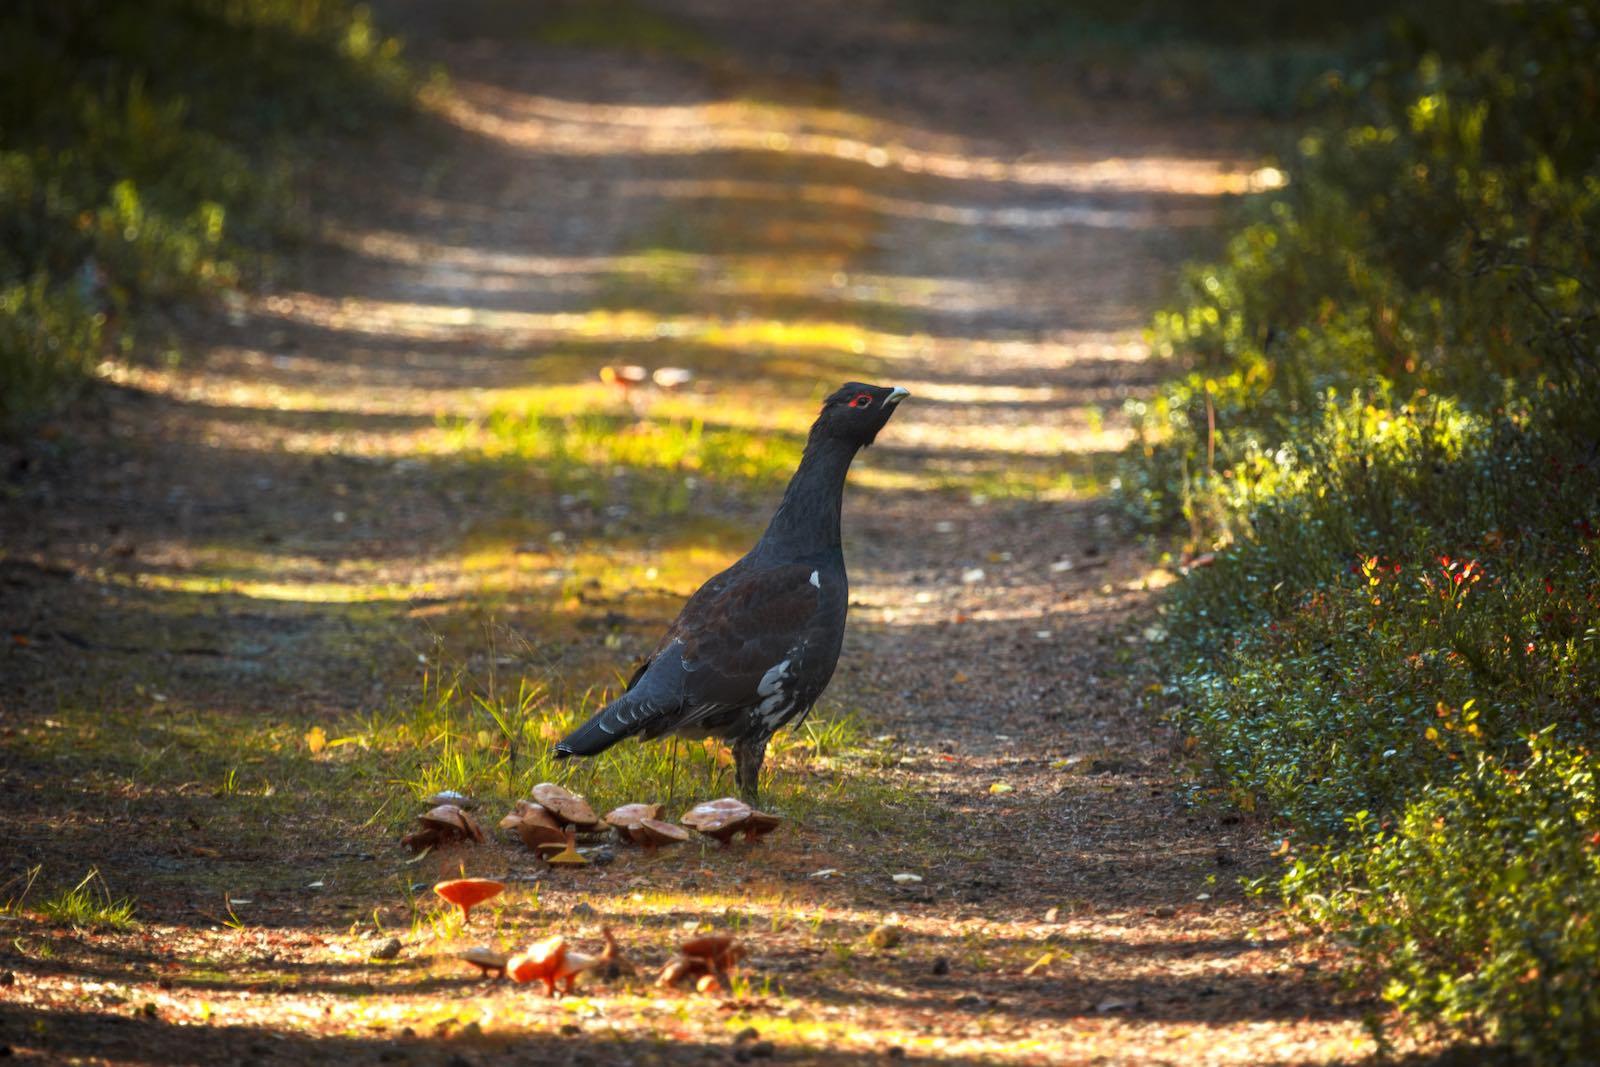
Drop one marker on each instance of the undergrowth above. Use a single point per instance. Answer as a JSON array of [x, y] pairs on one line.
[[1382, 451], [147, 152]]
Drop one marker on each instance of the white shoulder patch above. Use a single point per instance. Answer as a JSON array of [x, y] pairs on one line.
[[816, 579], [772, 680]]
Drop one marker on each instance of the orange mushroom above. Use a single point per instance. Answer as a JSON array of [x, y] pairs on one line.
[[550, 962], [468, 893]]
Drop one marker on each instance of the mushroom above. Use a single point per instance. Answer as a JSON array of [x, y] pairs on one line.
[[653, 833], [468, 893], [568, 808], [719, 950], [534, 824], [629, 815], [450, 796], [707, 960], [441, 825], [641, 824], [549, 961], [670, 378], [625, 377], [760, 825], [720, 819], [486, 960], [613, 963], [564, 854]]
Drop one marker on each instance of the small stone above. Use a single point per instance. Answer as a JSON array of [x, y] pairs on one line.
[[9, 978], [1164, 911], [941, 966], [1053, 915], [570, 1029], [895, 1052], [582, 910], [970, 1000], [762, 1050], [749, 1033], [884, 935], [388, 950]]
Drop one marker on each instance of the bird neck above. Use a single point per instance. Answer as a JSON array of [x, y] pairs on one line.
[[807, 520]]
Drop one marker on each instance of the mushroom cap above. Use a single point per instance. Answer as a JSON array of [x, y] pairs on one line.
[[450, 796], [485, 957], [761, 824], [533, 824], [656, 832], [630, 815], [452, 820], [567, 807], [717, 817], [540, 960], [469, 892], [720, 950]]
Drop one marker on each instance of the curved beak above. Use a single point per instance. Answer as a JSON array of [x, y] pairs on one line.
[[896, 395]]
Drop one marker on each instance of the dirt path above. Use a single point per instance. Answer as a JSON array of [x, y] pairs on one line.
[[776, 196]]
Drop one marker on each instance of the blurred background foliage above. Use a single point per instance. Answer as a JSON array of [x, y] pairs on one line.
[[1381, 445], [146, 156]]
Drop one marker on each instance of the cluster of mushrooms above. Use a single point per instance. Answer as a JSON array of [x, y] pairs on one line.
[[447, 820], [550, 961], [549, 823], [706, 962]]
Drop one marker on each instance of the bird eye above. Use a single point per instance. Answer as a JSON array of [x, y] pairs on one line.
[[861, 400]]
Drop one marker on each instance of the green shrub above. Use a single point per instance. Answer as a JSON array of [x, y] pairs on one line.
[[1384, 429], [145, 156], [1479, 908]]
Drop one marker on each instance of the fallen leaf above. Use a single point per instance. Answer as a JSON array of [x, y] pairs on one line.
[[1112, 1004], [826, 872], [907, 878], [316, 740], [1039, 964], [999, 788]]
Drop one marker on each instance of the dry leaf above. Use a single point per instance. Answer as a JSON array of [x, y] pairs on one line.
[[316, 740]]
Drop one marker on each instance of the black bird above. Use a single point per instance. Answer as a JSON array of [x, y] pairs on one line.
[[756, 645]]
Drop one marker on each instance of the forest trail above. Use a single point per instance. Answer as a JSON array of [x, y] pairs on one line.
[[777, 197]]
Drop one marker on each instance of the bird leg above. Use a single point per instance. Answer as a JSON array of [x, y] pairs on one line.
[[749, 752]]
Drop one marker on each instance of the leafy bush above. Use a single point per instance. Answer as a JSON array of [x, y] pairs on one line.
[[1435, 236], [143, 160], [1386, 430], [1480, 904]]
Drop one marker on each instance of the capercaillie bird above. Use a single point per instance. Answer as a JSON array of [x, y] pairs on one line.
[[756, 645]]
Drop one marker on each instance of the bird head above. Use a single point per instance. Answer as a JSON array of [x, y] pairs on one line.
[[856, 412]]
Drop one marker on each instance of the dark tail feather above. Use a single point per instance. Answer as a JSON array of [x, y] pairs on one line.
[[621, 718]]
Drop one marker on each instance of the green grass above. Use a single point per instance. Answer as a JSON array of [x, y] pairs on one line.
[[89, 905], [659, 459], [494, 739]]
